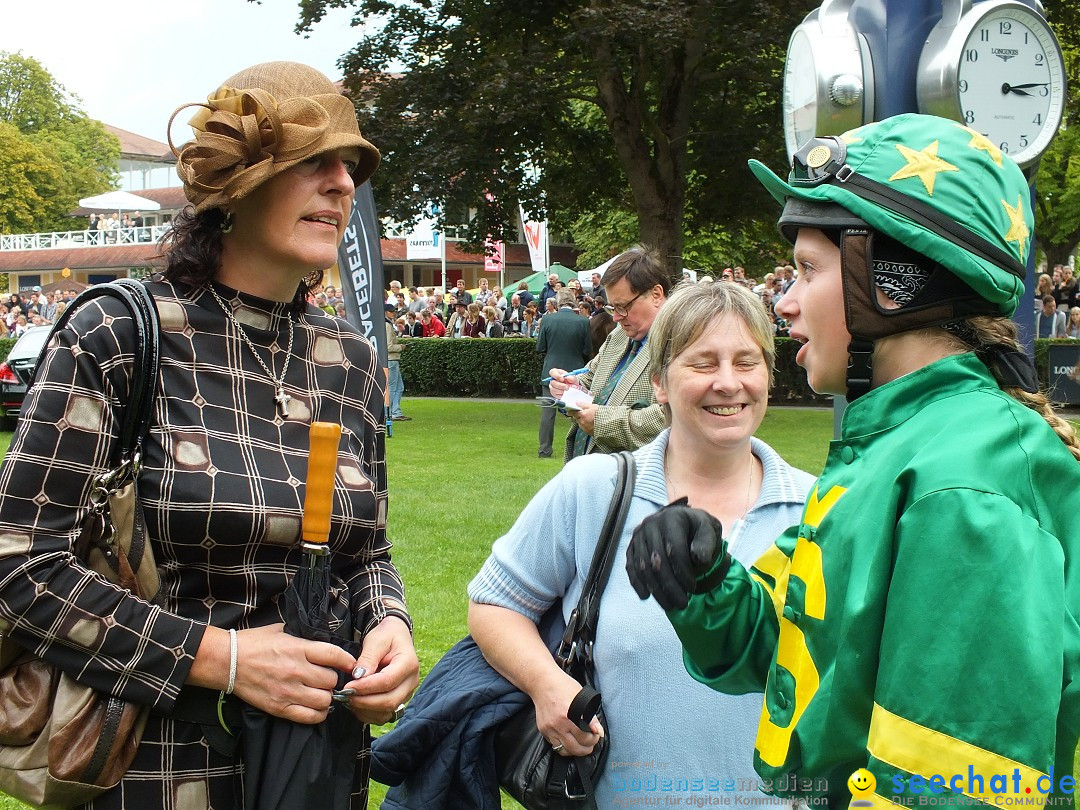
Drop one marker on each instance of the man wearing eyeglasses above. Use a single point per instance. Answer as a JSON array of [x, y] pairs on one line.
[[624, 413]]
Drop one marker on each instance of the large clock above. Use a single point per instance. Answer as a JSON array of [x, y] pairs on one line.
[[828, 76], [996, 67]]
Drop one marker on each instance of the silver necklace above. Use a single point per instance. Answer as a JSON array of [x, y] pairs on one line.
[[749, 483], [280, 397]]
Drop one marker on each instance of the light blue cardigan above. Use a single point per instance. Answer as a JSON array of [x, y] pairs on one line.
[[670, 735]]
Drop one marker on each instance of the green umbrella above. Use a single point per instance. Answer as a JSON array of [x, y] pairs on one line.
[[536, 281]]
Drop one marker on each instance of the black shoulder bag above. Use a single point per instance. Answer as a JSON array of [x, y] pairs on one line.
[[528, 768], [62, 743]]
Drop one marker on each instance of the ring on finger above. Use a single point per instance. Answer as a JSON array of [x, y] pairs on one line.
[[558, 748], [399, 711]]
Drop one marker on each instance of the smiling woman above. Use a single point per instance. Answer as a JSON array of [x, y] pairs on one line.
[[247, 365], [711, 357]]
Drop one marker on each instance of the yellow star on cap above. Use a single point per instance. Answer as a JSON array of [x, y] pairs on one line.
[[1018, 229], [980, 141], [850, 137], [924, 164]]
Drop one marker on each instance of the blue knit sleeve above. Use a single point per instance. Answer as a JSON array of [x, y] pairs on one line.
[[538, 561]]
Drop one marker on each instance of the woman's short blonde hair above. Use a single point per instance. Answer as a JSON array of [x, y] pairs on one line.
[[691, 308]]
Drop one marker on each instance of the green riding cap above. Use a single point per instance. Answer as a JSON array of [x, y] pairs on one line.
[[962, 181]]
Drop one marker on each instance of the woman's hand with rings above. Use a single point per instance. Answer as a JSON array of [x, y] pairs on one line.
[[552, 701], [286, 676], [386, 673]]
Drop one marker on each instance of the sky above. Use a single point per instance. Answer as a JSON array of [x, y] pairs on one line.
[[132, 63]]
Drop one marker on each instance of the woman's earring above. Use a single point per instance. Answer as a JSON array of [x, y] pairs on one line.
[[226, 223]]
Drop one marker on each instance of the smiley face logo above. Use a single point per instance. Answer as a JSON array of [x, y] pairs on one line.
[[861, 784]]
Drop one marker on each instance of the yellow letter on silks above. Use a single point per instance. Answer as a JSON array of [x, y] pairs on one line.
[[773, 741]]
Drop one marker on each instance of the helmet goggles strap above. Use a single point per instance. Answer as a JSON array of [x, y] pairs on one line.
[[824, 160]]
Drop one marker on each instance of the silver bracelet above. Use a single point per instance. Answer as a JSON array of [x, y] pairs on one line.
[[232, 662]]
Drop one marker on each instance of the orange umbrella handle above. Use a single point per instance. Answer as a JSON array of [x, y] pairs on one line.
[[319, 498]]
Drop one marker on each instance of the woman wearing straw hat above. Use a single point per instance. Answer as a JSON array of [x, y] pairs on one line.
[[921, 622], [246, 366]]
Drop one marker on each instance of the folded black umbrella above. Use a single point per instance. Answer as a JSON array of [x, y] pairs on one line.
[[295, 766]]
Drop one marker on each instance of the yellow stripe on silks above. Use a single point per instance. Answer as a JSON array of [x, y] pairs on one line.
[[924, 751], [816, 510], [777, 601], [774, 564], [774, 741]]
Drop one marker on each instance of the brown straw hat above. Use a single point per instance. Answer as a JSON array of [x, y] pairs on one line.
[[260, 122]]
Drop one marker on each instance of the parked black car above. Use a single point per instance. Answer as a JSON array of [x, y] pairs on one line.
[[17, 372]]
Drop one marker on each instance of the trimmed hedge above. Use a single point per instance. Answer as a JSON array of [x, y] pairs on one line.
[[510, 367]]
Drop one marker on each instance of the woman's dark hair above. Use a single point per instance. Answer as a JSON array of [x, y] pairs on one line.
[[191, 250]]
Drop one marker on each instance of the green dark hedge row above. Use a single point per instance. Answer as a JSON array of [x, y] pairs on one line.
[[510, 367]]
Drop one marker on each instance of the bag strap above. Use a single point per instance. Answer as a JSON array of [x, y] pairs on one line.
[[135, 420], [581, 629]]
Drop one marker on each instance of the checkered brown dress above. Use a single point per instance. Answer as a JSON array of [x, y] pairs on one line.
[[223, 489]]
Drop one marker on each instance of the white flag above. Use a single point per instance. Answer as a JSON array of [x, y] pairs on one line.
[[536, 237]]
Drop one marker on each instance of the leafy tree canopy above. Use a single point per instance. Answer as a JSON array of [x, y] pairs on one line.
[[642, 107], [59, 155], [1057, 184]]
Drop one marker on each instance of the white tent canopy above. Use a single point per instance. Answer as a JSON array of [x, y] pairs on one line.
[[119, 201]]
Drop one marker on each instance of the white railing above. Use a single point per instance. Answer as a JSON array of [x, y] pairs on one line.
[[82, 239]]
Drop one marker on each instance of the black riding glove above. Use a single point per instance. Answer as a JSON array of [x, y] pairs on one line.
[[671, 549]]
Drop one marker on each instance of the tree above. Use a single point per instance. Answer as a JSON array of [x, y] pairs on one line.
[[617, 102], [27, 179], [1057, 183], [60, 154]]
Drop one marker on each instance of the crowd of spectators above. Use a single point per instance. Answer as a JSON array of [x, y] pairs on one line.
[[489, 311], [770, 289], [19, 311], [105, 229]]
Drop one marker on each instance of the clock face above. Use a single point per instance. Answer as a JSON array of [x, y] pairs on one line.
[[999, 71], [828, 76], [800, 92]]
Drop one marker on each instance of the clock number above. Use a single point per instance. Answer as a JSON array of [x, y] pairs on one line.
[[1037, 119], [963, 86], [984, 34], [969, 116], [1023, 141], [1039, 59], [971, 55], [1025, 37], [1044, 91], [1005, 27], [1004, 147]]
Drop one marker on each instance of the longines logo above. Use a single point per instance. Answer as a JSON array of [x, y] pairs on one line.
[[1005, 53]]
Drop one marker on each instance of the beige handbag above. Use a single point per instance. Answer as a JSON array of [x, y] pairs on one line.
[[61, 742]]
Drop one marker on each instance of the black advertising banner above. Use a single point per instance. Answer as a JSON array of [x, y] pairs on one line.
[[361, 269], [1064, 373]]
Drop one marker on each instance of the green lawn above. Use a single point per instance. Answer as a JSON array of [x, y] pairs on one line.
[[459, 474]]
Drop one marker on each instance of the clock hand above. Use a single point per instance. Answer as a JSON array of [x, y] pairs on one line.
[[1020, 89]]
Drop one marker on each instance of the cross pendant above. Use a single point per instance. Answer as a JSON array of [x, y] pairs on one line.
[[282, 400]]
